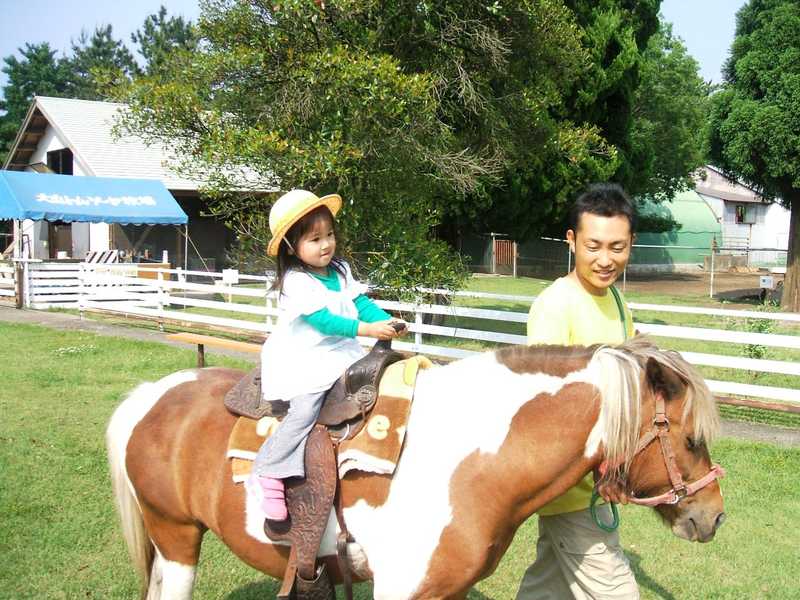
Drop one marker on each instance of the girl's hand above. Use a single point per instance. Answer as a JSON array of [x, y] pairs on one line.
[[381, 330], [400, 326]]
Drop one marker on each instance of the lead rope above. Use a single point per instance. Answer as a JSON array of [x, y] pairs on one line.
[[344, 535], [610, 527]]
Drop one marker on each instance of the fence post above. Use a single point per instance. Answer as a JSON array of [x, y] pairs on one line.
[[268, 302], [160, 275], [81, 289], [514, 250], [711, 286], [494, 258], [418, 316], [19, 280], [569, 259], [27, 283]]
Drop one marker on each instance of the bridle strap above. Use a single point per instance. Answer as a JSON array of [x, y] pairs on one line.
[[680, 490], [672, 497]]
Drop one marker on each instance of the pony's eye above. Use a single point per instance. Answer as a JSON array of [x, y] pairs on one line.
[[691, 443]]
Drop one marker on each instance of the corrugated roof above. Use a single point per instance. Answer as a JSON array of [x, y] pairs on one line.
[[86, 126]]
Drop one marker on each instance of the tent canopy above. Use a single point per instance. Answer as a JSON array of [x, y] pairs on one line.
[[69, 198]]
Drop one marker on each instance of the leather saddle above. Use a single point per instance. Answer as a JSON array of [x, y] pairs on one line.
[[347, 403], [309, 499]]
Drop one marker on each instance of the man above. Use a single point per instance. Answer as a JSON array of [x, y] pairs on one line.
[[574, 557]]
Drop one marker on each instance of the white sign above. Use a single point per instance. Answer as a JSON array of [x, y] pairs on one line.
[[767, 281], [96, 200], [230, 276]]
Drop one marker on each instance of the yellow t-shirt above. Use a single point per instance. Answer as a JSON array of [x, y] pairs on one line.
[[566, 314]]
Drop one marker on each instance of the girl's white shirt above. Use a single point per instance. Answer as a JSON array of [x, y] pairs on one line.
[[296, 358]]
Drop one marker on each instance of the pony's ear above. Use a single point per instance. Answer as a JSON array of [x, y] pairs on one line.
[[663, 380]]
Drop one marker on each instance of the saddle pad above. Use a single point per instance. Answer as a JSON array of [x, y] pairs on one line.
[[375, 449]]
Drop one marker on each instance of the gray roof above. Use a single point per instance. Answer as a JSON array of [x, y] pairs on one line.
[[85, 126]]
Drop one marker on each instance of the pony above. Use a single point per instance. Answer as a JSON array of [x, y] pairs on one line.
[[490, 439]]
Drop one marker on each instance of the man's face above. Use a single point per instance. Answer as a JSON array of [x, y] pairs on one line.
[[602, 247]]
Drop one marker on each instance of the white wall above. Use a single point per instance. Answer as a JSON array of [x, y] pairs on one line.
[[85, 236], [49, 142]]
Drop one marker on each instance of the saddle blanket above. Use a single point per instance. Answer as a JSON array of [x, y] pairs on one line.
[[374, 449]]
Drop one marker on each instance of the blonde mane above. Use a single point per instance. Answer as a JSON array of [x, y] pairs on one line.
[[621, 376]]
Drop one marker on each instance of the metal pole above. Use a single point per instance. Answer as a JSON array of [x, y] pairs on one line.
[[514, 246], [711, 287], [569, 259], [494, 258], [186, 247]]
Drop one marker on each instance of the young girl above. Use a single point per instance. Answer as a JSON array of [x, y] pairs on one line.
[[322, 309]]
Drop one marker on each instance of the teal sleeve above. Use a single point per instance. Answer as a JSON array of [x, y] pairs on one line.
[[328, 323], [370, 312]]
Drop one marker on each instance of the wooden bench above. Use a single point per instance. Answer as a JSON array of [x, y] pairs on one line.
[[207, 340]]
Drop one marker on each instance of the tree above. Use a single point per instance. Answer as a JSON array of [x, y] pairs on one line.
[[412, 110], [670, 110], [640, 105], [38, 72], [755, 119], [96, 54], [160, 36]]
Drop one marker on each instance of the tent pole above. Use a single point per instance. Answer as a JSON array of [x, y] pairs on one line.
[[186, 247]]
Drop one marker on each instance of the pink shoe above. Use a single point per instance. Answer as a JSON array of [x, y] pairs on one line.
[[273, 502]]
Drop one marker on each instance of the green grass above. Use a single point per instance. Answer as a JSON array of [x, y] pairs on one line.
[[59, 537]]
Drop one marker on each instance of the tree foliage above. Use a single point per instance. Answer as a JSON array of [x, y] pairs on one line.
[[413, 111], [94, 61], [670, 110], [37, 71], [161, 36], [90, 55], [755, 119]]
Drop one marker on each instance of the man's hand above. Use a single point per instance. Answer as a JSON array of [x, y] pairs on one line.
[[613, 491]]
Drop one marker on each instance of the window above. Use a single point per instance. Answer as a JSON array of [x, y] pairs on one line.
[[741, 211], [60, 161]]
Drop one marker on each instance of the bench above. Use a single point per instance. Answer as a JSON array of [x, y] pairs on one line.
[[207, 340]]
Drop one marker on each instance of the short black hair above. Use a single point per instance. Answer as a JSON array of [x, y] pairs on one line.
[[604, 200]]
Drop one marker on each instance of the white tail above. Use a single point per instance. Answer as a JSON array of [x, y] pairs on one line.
[[127, 415]]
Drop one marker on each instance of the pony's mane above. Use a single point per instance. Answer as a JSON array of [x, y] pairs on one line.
[[621, 370]]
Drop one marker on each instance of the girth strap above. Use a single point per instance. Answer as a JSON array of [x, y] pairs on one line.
[[344, 535]]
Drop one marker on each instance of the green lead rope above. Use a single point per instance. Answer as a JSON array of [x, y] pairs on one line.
[[614, 514], [595, 496]]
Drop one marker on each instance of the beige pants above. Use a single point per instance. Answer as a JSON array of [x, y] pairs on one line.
[[577, 559]]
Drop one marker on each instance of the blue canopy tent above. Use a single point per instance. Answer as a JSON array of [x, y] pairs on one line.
[[46, 197]]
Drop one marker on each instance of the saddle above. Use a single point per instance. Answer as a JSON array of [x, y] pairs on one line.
[[309, 500]]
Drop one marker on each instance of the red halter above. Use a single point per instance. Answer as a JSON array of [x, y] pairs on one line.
[[680, 490]]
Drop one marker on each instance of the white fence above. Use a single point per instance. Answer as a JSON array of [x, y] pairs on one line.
[[8, 282], [167, 295]]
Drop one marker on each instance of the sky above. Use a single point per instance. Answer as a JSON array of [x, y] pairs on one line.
[[60, 21], [706, 26]]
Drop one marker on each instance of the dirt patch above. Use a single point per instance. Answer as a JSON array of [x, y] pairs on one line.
[[730, 286], [756, 432]]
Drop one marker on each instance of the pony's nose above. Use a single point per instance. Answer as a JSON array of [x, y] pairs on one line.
[[719, 521]]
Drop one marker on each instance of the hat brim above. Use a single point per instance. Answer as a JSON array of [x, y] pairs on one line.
[[332, 201]]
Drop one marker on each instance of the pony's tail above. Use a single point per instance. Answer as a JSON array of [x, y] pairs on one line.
[[140, 548]]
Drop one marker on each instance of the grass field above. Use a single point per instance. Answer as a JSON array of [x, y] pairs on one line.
[[59, 537]]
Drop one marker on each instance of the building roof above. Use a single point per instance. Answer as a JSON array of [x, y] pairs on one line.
[[85, 127], [686, 208], [715, 184]]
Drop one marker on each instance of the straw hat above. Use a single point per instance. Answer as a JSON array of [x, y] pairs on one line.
[[293, 206]]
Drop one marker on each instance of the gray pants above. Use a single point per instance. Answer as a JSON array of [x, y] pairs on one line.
[[577, 559], [283, 454]]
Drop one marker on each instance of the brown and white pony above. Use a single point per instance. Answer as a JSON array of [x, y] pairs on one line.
[[490, 439]]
